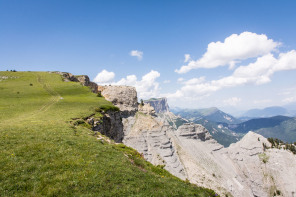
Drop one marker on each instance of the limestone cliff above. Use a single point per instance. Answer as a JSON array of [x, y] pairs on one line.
[[124, 97], [189, 152], [110, 125], [160, 105]]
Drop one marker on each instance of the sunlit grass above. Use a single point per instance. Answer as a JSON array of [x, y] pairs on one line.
[[42, 154]]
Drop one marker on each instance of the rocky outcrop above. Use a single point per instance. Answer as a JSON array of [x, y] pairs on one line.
[[151, 138], [124, 97], [160, 105], [143, 131], [110, 125], [83, 79], [194, 131], [189, 152], [147, 109], [264, 170], [246, 168]]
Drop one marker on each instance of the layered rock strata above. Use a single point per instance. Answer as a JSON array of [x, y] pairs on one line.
[[110, 125], [160, 105], [246, 168], [243, 169]]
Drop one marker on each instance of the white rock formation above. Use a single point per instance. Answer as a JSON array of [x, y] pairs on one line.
[[160, 105], [243, 169], [147, 109], [124, 97]]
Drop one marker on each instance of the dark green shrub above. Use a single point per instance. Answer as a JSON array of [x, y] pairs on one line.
[[99, 94], [105, 108]]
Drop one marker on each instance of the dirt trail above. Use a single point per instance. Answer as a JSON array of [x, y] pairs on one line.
[[55, 97]]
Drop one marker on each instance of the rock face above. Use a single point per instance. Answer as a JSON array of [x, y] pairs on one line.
[[190, 152], [245, 168], [83, 79], [124, 97], [111, 122], [152, 138], [147, 109], [160, 105], [264, 171], [110, 125], [194, 131]]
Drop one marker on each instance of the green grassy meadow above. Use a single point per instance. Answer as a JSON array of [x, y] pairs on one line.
[[43, 154]]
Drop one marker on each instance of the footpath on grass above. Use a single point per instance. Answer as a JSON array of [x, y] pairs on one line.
[[42, 155]]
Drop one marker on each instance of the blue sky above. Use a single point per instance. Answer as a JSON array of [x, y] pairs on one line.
[[148, 40]]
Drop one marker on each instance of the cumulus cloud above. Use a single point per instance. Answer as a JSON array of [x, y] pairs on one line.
[[234, 49], [104, 77], [166, 81], [233, 101], [136, 53], [258, 72], [147, 87]]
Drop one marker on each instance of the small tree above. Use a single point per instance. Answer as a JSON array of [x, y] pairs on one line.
[[142, 102], [99, 94]]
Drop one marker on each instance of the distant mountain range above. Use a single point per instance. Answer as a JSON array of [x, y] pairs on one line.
[[215, 121], [212, 114], [281, 127], [227, 129], [268, 112]]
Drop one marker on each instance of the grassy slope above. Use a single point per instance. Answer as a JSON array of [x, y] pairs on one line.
[[43, 155]]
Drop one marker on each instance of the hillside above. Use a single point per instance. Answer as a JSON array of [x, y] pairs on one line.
[[258, 123], [212, 114], [281, 127], [45, 153], [267, 112], [214, 120]]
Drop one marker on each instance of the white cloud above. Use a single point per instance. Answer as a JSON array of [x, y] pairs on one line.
[[187, 58], [180, 79], [147, 87], [263, 101], [136, 53], [232, 50], [166, 81], [289, 100], [258, 72], [194, 81], [233, 101], [104, 77]]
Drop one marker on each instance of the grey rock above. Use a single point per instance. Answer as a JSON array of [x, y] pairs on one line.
[[124, 97], [83, 79], [160, 105]]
